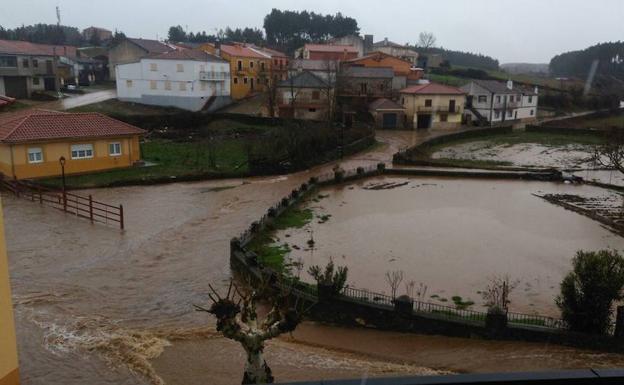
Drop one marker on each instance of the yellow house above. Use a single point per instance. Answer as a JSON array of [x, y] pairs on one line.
[[8, 350], [249, 67], [32, 142], [433, 105]]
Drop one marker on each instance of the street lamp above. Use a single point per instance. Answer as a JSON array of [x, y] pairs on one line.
[[62, 162]]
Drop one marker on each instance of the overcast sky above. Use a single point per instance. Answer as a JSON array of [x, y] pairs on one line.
[[509, 30]]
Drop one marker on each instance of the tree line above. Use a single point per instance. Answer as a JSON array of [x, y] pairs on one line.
[[54, 34], [609, 59]]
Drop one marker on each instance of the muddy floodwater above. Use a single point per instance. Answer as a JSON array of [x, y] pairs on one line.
[[98, 306], [451, 235]]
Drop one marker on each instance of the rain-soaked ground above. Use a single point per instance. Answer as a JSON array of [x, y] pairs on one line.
[[451, 235], [92, 302]]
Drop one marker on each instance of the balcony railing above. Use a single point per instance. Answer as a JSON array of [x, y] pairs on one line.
[[212, 75], [446, 109]]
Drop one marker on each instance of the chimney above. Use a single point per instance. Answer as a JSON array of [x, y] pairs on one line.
[[510, 84], [536, 90], [217, 45], [385, 41], [368, 44]]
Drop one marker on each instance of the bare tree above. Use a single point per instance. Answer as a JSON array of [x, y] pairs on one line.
[[238, 320], [426, 40], [330, 90], [611, 153], [394, 278], [496, 293]]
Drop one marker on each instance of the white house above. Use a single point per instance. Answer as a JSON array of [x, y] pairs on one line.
[[498, 102], [189, 79]]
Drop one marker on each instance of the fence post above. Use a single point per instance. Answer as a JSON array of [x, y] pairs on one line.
[[40, 196], [64, 201], [121, 217], [91, 208]]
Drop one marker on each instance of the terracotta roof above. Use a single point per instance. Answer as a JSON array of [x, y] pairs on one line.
[[330, 48], [432, 89], [269, 51], [38, 125], [385, 104], [28, 48], [241, 50], [151, 46], [376, 55], [187, 54]]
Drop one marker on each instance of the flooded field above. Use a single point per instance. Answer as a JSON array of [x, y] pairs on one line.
[[451, 235], [98, 306]]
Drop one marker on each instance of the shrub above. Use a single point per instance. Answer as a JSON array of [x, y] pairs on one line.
[[332, 278], [589, 290]]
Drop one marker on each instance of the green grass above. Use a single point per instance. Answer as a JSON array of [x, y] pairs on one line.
[[119, 108], [173, 159], [448, 80], [293, 218]]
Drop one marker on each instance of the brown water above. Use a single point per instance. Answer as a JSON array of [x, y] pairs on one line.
[[452, 235], [93, 303]]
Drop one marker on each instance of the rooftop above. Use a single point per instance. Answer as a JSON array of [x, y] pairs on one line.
[[330, 48], [313, 65], [499, 87], [369, 72], [242, 50], [36, 125], [151, 46], [187, 54], [304, 79], [28, 48], [432, 89], [385, 104]]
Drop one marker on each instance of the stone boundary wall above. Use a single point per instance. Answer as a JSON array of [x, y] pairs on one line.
[[349, 309], [564, 130]]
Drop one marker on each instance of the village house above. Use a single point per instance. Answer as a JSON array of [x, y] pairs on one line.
[[193, 80], [279, 65], [324, 69], [498, 102], [28, 67], [328, 52], [433, 105], [365, 82], [101, 34], [403, 70], [393, 49], [387, 113], [33, 141], [249, 67], [304, 96], [131, 50], [363, 45]]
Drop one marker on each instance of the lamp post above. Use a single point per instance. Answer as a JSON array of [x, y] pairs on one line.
[[62, 162]]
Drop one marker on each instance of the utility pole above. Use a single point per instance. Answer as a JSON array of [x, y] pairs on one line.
[[58, 16]]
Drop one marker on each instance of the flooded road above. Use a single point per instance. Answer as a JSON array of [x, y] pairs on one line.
[[93, 303], [451, 235]]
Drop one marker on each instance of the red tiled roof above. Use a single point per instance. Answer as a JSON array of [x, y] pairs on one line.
[[432, 89], [28, 48], [330, 48], [151, 46], [271, 52], [240, 50], [39, 125]]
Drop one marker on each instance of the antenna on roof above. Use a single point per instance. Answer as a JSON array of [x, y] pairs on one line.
[[58, 16]]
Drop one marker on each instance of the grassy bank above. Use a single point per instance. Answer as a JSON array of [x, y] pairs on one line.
[[117, 108]]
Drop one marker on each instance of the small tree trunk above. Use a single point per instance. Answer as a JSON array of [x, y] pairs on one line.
[[256, 369]]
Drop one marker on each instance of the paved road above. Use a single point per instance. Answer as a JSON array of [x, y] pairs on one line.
[[80, 100]]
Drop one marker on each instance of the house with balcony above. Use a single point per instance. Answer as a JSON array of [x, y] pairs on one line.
[[131, 50], [193, 80], [249, 67], [498, 102], [305, 96], [278, 67], [432, 105], [28, 67], [365, 84]]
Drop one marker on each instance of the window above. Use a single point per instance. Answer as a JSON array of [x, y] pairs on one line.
[[266, 80], [496, 114], [153, 85], [202, 86], [482, 99], [532, 112], [153, 67], [25, 63], [443, 117], [129, 83], [202, 67], [498, 99], [168, 85], [251, 64], [530, 99], [509, 113], [114, 149], [262, 66], [245, 80], [428, 102], [8, 61], [511, 98], [82, 151], [403, 101], [235, 80], [312, 109], [316, 95], [35, 155], [182, 86], [35, 63], [36, 81], [180, 67], [363, 88], [239, 65]]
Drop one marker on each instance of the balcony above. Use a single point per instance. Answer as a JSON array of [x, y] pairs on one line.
[[443, 109], [212, 75]]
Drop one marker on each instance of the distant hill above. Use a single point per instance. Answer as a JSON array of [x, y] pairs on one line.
[[525, 68], [609, 58], [461, 58]]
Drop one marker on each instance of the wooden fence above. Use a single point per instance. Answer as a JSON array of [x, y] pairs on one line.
[[81, 206]]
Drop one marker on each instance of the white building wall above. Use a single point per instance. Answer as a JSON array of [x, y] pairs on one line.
[[2, 90]]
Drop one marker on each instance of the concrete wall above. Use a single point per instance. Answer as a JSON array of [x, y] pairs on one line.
[[8, 349], [52, 151], [2, 91]]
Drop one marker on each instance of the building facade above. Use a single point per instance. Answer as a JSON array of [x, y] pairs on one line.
[[101, 33], [393, 49], [329, 52], [433, 105], [305, 96], [188, 79], [250, 69], [131, 50], [499, 102], [33, 141], [365, 83], [387, 113], [9, 373], [403, 70]]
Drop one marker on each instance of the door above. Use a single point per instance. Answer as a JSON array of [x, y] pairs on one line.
[[15, 87], [389, 120], [252, 84], [452, 106], [424, 121]]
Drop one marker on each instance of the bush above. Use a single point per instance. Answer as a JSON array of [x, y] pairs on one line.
[[589, 290], [332, 278]]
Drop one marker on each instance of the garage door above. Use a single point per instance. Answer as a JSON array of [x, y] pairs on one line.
[[389, 120], [15, 87]]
